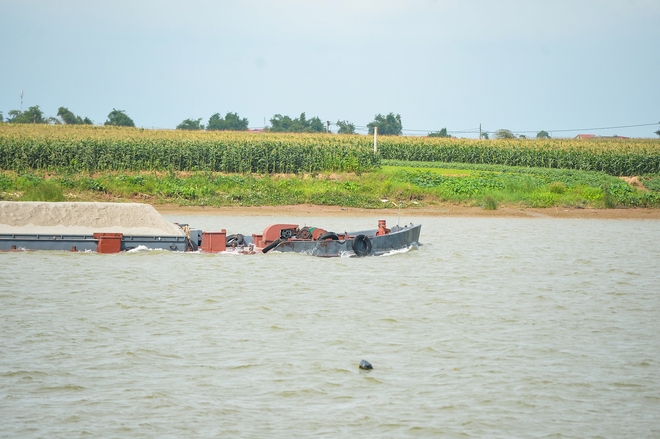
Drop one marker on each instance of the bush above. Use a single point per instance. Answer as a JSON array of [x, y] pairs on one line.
[[44, 191], [490, 203]]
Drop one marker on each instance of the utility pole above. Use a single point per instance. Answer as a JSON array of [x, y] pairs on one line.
[[479, 130], [21, 100], [375, 140], [327, 126]]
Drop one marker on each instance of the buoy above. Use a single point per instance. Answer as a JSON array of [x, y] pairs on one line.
[[364, 364]]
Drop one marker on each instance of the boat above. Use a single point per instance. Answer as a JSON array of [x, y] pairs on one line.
[[95, 227], [117, 227], [314, 241]]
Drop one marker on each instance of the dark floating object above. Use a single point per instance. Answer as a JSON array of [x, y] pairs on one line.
[[364, 364]]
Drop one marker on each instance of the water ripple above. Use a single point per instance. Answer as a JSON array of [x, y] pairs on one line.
[[491, 328]]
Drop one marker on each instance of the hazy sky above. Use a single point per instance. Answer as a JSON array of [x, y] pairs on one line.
[[524, 65]]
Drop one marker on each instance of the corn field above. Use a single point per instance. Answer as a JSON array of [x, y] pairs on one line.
[[78, 148], [612, 156], [85, 148]]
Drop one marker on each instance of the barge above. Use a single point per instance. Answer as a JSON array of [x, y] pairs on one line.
[[117, 227]]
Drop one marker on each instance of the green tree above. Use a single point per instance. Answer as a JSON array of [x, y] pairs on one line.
[[389, 125], [231, 122], [284, 124], [31, 115], [345, 127], [190, 125], [67, 116], [119, 118], [315, 126], [485, 135], [657, 132], [542, 135], [1, 117], [441, 133], [281, 124], [504, 134], [71, 119]]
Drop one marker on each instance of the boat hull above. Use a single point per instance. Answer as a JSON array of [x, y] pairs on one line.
[[14, 241], [398, 239]]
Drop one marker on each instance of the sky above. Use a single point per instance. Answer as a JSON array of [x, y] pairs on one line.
[[522, 65]]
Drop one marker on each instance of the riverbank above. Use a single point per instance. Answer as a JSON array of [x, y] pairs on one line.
[[506, 191], [433, 211]]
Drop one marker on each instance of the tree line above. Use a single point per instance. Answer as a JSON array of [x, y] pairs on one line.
[[387, 125], [66, 117]]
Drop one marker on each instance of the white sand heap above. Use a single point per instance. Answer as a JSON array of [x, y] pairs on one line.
[[83, 219]]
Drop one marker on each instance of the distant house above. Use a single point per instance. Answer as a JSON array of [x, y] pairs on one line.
[[593, 136]]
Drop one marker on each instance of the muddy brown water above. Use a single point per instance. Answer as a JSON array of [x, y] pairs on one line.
[[493, 327]]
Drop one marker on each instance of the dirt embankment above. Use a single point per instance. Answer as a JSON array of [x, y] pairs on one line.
[[437, 211]]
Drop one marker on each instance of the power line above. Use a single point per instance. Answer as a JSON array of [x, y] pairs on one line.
[[592, 129], [477, 130], [469, 130]]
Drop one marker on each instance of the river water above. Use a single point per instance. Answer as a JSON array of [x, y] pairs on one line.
[[493, 328]]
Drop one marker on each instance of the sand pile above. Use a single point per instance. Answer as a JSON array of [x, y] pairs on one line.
[[83, 218]]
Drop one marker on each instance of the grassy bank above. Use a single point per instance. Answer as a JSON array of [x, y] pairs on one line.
[[413, 184], [55, 163], [492, 185]]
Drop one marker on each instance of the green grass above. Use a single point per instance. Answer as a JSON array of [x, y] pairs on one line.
[[651, 183], [531, 187], [44, 191], [489, 203], [417, 184]]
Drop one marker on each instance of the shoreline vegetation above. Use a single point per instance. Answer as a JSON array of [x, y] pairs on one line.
[[263, 172]]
